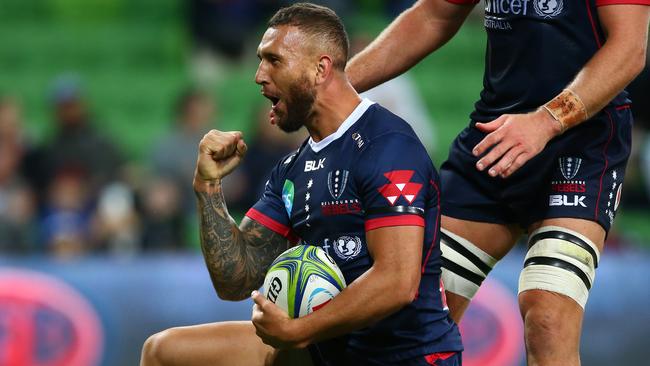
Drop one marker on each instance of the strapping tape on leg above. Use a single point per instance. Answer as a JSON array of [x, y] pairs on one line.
[[464, 265], [562, 261]]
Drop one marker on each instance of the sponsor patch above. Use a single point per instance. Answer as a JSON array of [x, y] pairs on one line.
[[347, 247], [287, 196], [400, 185], [548, 8]]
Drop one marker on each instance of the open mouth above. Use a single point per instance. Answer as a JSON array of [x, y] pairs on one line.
[[274, 99]]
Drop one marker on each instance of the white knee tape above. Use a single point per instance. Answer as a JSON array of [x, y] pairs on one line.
[[464, 265], [562, 261]]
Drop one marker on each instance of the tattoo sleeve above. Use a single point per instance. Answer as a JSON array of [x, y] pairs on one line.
[[237, 257]]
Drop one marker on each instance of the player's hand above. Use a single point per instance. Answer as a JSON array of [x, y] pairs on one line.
[[219, 154], [512, 140], [273, 325]]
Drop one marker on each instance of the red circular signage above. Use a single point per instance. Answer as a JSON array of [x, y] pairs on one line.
[[492, 329], [45, 322]]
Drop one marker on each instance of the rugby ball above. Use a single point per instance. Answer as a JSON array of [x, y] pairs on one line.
[[302, 280]]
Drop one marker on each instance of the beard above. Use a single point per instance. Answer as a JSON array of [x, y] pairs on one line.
[[299, 106]]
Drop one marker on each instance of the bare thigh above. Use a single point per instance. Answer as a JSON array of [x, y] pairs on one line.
[[494, 239], [216, 344]]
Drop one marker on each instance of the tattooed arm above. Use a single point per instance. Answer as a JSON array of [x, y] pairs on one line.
[[237, 257]]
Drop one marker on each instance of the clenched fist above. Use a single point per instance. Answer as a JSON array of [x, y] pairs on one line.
[[219, 154]]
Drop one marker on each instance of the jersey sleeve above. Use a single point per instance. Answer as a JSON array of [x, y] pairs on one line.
[[270, 209], [393, 177], [622, 2]]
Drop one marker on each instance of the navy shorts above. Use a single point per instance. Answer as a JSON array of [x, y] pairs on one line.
[[434, 359], [335, 352], [578, 175]]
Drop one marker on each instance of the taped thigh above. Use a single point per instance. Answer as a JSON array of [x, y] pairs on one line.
[[562, 261], [464, 265]]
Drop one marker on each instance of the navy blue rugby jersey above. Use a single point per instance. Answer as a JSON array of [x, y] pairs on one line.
[[535, 48], [372, 172]]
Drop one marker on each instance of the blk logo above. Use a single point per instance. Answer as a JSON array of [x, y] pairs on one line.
[[400, 185], [564, 200], [311, 165]]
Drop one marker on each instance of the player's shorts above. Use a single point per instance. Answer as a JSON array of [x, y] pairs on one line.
[[335, 353], [578, 175]]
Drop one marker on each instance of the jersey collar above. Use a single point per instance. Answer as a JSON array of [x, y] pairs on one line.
[[343, 128]]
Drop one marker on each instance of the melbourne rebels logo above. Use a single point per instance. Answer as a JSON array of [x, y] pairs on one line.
[[569, 167], [45, 322], [347, 247], [400, 185], [548, 8], [336, 182]]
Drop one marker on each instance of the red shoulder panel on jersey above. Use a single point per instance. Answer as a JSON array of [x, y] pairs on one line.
[[463, 2], [273, 225], [402, 220], [622, 2]]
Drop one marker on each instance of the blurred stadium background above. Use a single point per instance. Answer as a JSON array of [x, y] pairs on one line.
[[102, 103]]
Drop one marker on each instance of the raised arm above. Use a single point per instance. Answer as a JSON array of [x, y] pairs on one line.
[[515, 139], [418, 31], [236, 257]]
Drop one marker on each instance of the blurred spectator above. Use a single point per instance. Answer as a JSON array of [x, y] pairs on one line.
[[169, 205], [164, 224], [17, 207], [75, 146], [401, 96], [174, 155], [65, 221], [245, 185], [219, 30], [116, 225]]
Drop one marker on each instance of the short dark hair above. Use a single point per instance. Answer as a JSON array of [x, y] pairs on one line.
[[318, 21]]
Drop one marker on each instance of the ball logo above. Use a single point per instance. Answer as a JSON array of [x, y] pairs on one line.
[[347, 247], [274, 289], [548, 9], [45, 322]]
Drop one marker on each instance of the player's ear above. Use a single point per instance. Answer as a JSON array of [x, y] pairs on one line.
[[324, 68]]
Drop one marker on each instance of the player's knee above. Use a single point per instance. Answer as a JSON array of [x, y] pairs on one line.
[[464, 265], [156, 349], [561, 261]]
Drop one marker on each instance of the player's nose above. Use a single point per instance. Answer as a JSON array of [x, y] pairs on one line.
[[261, 77]]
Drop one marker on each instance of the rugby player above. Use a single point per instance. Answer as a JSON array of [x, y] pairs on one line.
[[362, 187], [545, 150]]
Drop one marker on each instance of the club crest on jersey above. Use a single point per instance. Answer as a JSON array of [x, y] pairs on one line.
[[400, 185], [347, 247], [336, 182], [287, 196], [548, 8], [569, 166]]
